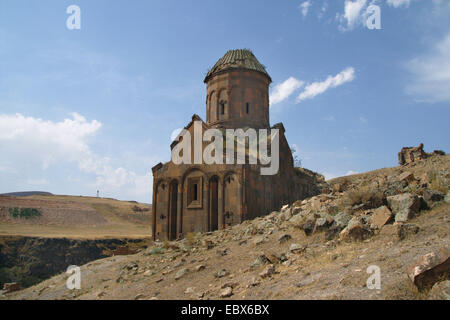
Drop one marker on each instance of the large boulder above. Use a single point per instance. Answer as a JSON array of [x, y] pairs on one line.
[[285, 213], [11, 287], [431, 196], [407, 176], [355, 230], [380, 217], [323, 222], [430, 268], [404, 206], [309, 226], [399, 231], [342, 219]]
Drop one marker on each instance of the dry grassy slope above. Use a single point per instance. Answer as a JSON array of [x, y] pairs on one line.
[[324, 270], [75, 217]]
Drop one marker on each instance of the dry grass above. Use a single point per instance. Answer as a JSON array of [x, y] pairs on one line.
[[123, 221], [373, 197]]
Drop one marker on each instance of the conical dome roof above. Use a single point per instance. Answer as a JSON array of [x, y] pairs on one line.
[[239, 58]]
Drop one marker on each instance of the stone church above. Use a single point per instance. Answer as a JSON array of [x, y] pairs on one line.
[[207, 197]]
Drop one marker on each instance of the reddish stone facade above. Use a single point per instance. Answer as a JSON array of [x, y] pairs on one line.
[[411, 154], [201, 198]]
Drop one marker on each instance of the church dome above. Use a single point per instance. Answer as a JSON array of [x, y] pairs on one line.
[[237, 59]]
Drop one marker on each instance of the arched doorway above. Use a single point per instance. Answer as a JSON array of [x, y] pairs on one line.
[[214, 203], [173, 204]]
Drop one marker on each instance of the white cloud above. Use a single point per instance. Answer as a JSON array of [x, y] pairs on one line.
[[283, 90], [34, 145], [431, 74], [398, 3], [322, 11], [304, 6], [316, 88], [353, 13], [47, 141]]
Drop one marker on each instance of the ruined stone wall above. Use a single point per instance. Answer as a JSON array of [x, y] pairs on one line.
[[411, 154]]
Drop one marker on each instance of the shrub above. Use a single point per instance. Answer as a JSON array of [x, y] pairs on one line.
[[190, 239], [157, 251], [26, 213], [370, 197], [13, 212]]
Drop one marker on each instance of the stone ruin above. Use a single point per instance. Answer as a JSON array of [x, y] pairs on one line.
[[411, 154]]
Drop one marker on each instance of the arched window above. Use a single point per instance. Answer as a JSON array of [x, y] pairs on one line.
[[247, 108], [222, 107]]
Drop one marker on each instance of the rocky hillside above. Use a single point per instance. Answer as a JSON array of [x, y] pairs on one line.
[[394, 220]]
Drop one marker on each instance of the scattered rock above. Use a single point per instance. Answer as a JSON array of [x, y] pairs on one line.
[[355, 230], [189, 290], [227, 292], [297, 248], [181, 273], [180, 263], [321, 224], [297, 220], [431, 196], [208, 244], [200, 267], [285, 213], [275, 257], [332, 232], [259, 240], [259, 261], [404, 230], [253, 282], [380, 217], [440, 291], [308, 226], [130, 266], [222, 252], [428, 269], [342, 219], [268, 271], [284, 238], [404, 206], [407, 176], [220, 274], [11, 287]]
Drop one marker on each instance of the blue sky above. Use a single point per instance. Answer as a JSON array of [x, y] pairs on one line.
[[93, 109]]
